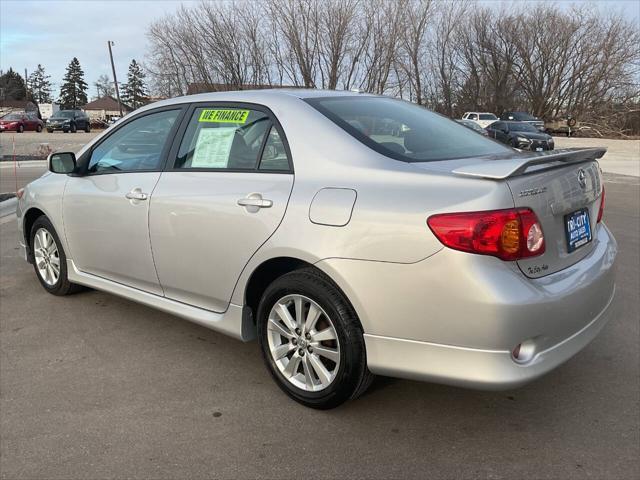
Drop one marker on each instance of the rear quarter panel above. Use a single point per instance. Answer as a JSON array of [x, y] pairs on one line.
[[394, 200]]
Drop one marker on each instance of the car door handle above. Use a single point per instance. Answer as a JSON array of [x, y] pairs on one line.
[[136, 194], [255, 200]]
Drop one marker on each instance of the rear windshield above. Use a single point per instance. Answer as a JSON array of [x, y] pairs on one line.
[[64, 114], [488, 116], [404, 131]]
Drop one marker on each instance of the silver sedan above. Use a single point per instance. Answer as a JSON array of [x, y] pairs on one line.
[[351, 234]]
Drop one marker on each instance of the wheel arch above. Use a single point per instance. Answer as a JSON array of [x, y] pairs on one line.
[[263, 275], [29, 218], [268, 271]]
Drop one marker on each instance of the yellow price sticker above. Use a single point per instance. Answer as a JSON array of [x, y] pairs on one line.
[[224, 116]]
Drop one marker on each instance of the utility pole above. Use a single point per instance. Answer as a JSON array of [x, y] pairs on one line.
[[115, 80]]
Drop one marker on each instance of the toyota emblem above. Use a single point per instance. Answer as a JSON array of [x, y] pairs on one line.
[[582, 178]]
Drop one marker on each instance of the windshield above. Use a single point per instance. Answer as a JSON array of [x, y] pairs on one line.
[[404, 131], [64, 114], [12, 116], [488, 116], [522, 127]]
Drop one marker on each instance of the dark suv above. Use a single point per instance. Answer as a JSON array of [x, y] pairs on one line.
[[69, 121]]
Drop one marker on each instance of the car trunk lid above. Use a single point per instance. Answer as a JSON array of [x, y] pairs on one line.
[[562, 187]]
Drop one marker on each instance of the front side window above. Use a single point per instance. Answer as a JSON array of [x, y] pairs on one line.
[[135, 146], [223, 138], [420, 136]]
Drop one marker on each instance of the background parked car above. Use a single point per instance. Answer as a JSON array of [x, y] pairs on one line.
[[523, 117], [521, 135], [69, 121], [566, 125], [473, 126], [20, 122], [484, 119]]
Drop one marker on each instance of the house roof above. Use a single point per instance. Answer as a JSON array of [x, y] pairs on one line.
[[106, 103], [22, 104]]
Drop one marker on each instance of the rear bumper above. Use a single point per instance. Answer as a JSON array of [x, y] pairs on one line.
[[474, 368], [455, 318]]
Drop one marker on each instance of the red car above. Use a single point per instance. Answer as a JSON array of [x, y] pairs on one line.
[[21, 122]]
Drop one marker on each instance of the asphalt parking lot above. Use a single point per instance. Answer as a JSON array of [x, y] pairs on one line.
[[94, 386]]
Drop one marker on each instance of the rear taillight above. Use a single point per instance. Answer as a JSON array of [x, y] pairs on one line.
[[507, 234], [601, 210]]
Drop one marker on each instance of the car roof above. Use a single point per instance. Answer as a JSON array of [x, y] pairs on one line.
[[267, 93]]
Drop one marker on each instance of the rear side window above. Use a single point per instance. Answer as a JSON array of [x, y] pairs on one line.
[[223, 138], [274, 155], [404, 131], [488, 116]]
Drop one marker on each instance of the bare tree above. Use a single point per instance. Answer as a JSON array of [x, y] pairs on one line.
[[449, 55]]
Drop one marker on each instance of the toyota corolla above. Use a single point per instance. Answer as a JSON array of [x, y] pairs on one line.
[[351, 234]]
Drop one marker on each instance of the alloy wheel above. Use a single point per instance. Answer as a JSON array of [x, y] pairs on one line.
[[47, 256], [303, 343]]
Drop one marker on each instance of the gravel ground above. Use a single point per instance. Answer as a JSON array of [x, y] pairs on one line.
[[31, 145], [622, 157]]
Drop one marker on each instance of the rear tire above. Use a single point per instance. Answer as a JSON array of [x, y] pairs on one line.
[[39, 128], [50, 261], [329, 363], [50, 130], [87, 128]]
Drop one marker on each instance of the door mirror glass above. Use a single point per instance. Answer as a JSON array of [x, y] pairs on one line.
[[63, 162]]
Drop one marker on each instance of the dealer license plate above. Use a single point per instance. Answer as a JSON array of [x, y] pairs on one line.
[[578, 228]]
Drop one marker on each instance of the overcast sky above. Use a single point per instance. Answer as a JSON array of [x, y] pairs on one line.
[[53, 32]]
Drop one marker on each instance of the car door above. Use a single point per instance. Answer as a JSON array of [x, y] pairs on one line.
[[106, 206], [496, 131], [29, 122], [220, 199]]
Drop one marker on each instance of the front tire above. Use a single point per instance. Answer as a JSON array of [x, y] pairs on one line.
[[73, 128], [50, 261], [311, 340], [20, 128]]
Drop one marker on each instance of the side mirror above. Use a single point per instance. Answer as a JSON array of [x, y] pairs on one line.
[[62, 162]]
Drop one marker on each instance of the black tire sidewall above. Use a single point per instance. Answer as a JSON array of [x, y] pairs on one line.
[[73, 128], [352, 352], [20, 128], [62, 284]]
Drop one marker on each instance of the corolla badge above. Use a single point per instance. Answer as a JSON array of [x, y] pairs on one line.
[[582, 178]]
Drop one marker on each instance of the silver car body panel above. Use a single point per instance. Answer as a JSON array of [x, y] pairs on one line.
[[428, 312], [202, 239], [100, 247]]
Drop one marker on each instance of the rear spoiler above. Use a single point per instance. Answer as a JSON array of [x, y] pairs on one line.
[[501, 169]]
